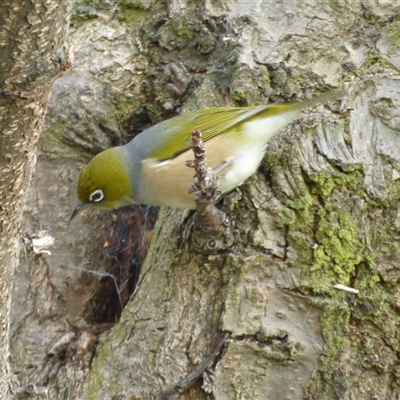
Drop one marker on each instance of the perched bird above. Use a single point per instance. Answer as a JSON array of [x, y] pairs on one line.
[[151, 169]]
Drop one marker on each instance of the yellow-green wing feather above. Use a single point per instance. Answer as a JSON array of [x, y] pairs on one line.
[[215, 121], [211, 122]]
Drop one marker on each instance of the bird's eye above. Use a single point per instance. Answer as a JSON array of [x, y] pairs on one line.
[[96, 196]]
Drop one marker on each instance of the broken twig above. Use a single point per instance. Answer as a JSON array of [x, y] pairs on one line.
[[212, 229]]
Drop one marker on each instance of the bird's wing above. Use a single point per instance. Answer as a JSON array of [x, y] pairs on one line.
[[171, 140], [211, 122]]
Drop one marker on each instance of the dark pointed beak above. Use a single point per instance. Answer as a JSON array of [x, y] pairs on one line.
[[79, 207]]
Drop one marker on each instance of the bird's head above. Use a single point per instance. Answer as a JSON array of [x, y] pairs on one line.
[[105, 182]]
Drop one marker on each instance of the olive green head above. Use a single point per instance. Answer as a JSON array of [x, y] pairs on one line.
[[105, 182]]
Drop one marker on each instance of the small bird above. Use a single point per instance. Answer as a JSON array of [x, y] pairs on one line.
[[151, 169]]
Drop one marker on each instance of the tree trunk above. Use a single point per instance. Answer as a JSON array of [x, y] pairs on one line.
[[34, 51], [261, 319]]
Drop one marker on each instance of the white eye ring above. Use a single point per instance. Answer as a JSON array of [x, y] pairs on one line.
[[96, 196]]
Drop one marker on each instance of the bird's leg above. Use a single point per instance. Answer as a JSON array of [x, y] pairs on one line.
[[212, 228]]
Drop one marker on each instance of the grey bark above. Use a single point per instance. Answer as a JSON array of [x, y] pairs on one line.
[[322, 211], [33, 52]]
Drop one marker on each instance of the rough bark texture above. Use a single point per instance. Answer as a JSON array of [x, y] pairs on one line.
[[323, 210], [33, 52]]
